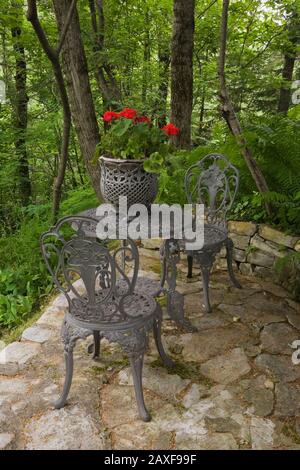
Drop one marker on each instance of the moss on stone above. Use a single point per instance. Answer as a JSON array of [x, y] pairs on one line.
[[156, 268], [188, 370], [162, 301], [101, 368], [289, 430]]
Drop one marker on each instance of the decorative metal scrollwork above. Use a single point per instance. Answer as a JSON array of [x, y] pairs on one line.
[[110, 295], [213, 181]]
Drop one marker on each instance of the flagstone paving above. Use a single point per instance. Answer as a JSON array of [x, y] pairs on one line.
[[233, 386]]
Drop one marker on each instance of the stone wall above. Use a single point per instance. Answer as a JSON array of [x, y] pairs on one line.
[[257, 247]]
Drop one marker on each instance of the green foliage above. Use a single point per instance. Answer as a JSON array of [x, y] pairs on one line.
[[171, 184], [78, 200], [286, 210], [275, 141], [278, 154], [18, 294], [250, 207], [128, 140], [24, 280], [132, 140]]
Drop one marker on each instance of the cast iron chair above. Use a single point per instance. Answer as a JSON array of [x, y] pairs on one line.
[[213, 181], [110, 306]]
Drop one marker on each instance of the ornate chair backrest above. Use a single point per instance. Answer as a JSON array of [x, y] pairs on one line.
[[213, 181], [71, 254]]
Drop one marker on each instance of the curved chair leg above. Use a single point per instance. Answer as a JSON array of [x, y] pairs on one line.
[[69, 337], [136, 362], [229, 256], [190, 261], [167, 361], [97, 339], [134, 343], [205, 271], [206, 259], [68, 378]]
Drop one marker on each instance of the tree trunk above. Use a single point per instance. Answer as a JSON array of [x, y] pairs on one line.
[[202, 107], [289, 63], [229, 115], [163, 88], [53, 56], [21, 115], [182, 70], [203, 90], [147, 56], [285, 89], [78, 163], [79, 90], [64, 152], [110, 91]]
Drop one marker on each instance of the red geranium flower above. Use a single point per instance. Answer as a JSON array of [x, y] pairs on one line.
[[109, 115], [128, 113], [143, 119], [170, 129]]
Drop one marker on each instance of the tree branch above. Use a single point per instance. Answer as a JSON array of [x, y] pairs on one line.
[[32, 16], [93, 16], [207, 8], [53, 56], [223, 43], [66, 26], [262, 51], [101, 20], [104, 76], [248, 28], [230, 116]]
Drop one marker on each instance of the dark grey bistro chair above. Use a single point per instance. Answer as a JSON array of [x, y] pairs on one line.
[[110, 306], [213, 181]]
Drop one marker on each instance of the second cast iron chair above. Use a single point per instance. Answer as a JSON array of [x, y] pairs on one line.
[[107, 305], [213, 181]]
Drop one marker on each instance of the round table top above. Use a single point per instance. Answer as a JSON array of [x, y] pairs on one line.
[[213, 234]]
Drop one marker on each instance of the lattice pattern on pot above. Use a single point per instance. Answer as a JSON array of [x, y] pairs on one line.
[[137, 185]]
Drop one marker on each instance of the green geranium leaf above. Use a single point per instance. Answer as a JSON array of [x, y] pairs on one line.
[[122, 127], [151, 167], [157, 158]]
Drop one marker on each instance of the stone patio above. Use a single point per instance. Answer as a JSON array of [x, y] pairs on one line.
[[234, 385]]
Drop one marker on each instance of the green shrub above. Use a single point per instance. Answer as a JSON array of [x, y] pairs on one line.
[[275, 143], [24, 279]]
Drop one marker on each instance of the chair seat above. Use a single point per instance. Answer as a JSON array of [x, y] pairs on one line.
[[135, 308], [213, 236]]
